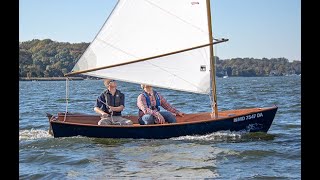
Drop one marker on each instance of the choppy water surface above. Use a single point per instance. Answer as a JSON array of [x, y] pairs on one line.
[[221, 155]]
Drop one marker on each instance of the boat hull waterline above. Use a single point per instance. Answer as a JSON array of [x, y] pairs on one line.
[[247, 120]]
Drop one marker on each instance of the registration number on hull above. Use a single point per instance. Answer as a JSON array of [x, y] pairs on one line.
[[248, 117]]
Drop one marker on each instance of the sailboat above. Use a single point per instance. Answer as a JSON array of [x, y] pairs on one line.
[[166, 44], [226, 75]]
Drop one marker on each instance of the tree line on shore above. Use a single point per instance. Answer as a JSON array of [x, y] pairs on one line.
[[47, 58]]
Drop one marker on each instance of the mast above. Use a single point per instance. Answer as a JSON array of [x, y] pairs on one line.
[[214, 104]]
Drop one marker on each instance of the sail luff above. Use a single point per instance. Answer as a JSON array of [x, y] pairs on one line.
[[116, 5], [212, 63]]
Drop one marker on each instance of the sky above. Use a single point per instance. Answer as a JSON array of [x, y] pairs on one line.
[[255, 28]]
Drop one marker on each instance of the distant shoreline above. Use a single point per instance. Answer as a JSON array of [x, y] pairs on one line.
[[48, 78]]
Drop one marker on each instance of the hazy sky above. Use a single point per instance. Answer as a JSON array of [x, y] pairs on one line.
[[255, 28]]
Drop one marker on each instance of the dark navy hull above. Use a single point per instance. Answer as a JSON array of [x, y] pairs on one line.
[[250, 122]]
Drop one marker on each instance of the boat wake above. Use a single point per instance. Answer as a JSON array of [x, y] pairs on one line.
[[216, 136], [229, 136], [33, 134]]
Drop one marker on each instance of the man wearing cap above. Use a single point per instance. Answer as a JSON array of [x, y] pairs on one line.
[[109, 105]]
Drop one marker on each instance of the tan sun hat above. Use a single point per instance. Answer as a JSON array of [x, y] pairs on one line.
[[106, 82]]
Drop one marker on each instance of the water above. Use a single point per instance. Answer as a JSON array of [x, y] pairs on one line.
[[220, 155]]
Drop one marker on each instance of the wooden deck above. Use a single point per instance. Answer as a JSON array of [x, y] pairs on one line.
[[80, 118]]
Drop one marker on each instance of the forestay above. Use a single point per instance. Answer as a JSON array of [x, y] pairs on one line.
[[139, 29]]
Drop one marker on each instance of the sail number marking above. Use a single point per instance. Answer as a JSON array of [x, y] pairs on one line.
[[247, 117]]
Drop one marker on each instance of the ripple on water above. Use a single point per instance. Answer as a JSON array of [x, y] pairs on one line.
[[274, 155]]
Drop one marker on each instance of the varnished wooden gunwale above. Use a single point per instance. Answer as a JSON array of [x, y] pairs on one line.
[[92, 120]]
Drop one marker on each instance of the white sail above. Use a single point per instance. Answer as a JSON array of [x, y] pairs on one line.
[[138, 29]]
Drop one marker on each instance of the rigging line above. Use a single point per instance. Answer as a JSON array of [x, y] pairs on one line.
[[176, 16], [106, 105], [110, 110], [67, 96], [211, 95], [211, 98]]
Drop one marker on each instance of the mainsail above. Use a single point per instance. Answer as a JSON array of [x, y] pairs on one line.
[[150, 28]]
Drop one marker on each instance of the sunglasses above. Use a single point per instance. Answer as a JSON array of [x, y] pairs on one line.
[[112, 81]]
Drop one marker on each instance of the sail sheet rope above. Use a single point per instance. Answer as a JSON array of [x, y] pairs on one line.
[[67, 97]]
